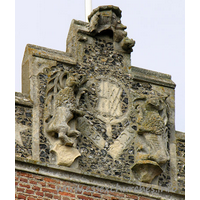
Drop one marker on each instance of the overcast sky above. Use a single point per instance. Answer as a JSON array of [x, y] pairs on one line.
[[157, 26]]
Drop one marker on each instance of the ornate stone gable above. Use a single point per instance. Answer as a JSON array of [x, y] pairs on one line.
[[94, 113]]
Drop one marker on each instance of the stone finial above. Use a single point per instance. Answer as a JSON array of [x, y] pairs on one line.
[[112, 8], [106, 20]]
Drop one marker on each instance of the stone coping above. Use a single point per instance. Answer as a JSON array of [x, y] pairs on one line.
[[74, 175], [150, 76], [50, 54], [137, 73]]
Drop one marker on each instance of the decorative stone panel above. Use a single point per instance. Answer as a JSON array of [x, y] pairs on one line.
[[92, 113]]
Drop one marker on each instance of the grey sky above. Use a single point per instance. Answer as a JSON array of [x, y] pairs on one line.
[[157, 26]]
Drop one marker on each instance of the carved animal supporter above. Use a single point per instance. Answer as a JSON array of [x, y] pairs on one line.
[[61, 112], [151, 140]]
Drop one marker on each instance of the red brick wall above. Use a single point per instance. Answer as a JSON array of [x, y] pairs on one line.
[[31, 187]]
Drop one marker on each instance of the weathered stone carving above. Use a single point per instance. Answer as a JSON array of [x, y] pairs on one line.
[[23, 125], [60, 115], [93, 111], [106, 20], [109, 107], [19, 128], [151, 140]]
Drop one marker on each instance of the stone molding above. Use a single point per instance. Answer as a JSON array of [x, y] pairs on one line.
[[150, 76], [74, 175]]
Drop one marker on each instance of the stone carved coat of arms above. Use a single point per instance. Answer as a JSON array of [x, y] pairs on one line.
[[98, 117]]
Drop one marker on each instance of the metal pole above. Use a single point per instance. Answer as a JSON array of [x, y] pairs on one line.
[[88, 9]]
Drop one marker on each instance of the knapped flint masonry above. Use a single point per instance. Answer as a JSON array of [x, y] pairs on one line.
[[88, 111]]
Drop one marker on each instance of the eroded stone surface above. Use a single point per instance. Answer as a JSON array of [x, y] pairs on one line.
[[94, 112], [23, 126], [180, 150]]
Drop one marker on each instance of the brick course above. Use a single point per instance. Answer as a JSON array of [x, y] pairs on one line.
[[35, 187]]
